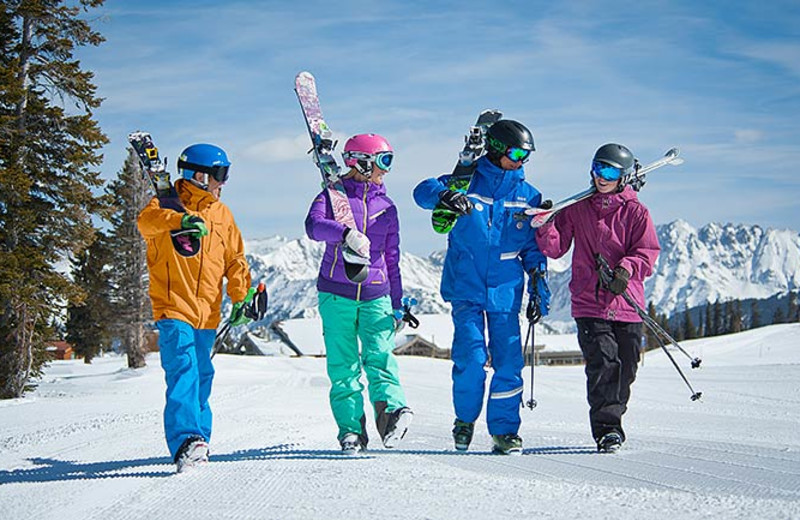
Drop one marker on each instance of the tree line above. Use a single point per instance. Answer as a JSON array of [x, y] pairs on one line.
[[53, 203], [718, 318]]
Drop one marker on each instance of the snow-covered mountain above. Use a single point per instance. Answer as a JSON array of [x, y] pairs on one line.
[[696, 266]]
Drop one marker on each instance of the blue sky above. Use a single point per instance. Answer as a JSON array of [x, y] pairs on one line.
[[719, 80]]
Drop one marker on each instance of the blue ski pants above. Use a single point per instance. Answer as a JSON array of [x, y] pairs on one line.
[[469, 355], [186, 360]]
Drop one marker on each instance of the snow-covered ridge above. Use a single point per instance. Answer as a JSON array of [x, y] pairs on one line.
[[696, 266]]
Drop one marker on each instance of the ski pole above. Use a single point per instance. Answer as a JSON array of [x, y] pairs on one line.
[[256, 309], [220, 338], [531, 403], [606, 274]]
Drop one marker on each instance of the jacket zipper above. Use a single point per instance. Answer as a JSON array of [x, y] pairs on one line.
[[364, 230]]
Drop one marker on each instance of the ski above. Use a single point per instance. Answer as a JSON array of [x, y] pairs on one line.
[[443, 219], [155, 170], [637, 179], [305, 86]]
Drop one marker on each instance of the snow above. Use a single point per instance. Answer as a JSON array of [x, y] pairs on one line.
[[88, 444]]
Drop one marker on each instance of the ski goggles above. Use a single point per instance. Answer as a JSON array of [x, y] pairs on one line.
[[606, 171], [382, 160], [218, 172], [518, 154]]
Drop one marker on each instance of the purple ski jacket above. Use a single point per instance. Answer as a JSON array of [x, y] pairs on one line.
[[376, 216], [617, 226]]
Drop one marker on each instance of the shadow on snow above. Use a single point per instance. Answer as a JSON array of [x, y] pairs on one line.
[[49, 470]]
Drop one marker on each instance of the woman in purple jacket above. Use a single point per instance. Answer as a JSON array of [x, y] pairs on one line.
[[362, 311], [616, 225]]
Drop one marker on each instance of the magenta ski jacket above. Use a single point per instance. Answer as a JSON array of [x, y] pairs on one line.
[[376, 216], [617, 226]]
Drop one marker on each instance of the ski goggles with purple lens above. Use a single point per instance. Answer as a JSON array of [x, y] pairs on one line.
[[606, 171], [518, 154]]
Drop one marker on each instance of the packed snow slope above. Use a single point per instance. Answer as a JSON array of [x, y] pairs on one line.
[[88, 444]]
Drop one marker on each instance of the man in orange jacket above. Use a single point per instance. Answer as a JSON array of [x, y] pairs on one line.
[[186, 293]]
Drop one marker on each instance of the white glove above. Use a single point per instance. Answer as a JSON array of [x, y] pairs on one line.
[[357, 241]]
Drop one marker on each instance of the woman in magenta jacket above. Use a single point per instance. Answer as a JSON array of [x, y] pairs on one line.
[[616, 225]]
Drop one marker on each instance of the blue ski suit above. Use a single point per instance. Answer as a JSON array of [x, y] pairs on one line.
[[488, 253]]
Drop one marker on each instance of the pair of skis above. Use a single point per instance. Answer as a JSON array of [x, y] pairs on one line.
[[636, 179], [356, 263], [443, 219], [155, 169]]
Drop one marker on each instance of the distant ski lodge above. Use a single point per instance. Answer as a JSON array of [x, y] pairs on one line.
[[303, 337]]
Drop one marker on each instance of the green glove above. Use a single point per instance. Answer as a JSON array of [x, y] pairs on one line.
[[194, 223], [238, 316]]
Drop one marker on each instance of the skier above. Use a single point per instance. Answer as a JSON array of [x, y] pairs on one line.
[[612, 222], [362, 311], [186, 294], [490, 249]]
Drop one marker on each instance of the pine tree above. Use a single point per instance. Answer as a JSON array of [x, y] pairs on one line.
[[90, 320], [778, 317], [755, 315], [689, 330], [129, 193], [719, 326], [708, 330], [650, 339], [48, 169], [736, 316], [792, 309]]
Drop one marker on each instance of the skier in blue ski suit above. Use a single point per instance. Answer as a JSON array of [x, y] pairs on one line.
[[489, 251]]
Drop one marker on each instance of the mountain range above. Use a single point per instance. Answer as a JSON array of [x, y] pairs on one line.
[[696, 266]]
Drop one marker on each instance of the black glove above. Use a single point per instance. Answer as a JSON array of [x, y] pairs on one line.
[[546, 204], [456, 202], [619, 283]]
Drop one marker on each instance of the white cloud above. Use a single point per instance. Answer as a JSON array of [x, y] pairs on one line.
[[748, 135]]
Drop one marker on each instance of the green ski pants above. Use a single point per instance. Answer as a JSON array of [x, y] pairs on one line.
[[344, 323]]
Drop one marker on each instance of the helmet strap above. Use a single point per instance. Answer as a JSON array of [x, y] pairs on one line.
[[202, 185], [364, 168]]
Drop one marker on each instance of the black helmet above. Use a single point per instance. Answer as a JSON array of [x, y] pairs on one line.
[[615, 155], [506, 134]]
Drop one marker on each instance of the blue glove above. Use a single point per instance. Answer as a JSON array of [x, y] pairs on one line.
[[539, 294]]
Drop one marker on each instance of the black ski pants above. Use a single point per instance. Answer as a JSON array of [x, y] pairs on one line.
[[611, 351]]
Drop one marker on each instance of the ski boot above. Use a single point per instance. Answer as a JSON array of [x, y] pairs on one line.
[[611, 442], [508, 444], [462, 434], [193, 452], [352, 444], [397, 426]]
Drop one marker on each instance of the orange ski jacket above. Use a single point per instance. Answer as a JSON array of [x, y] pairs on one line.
[[190, 289]]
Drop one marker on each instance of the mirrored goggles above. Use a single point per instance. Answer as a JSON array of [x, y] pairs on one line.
[[218, 172], [384, 160], [606, 171], [518, 154]]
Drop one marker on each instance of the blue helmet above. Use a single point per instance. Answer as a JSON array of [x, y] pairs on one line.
[[204, 158]]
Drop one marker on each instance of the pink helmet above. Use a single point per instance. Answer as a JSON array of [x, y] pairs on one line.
[[363, 150]]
